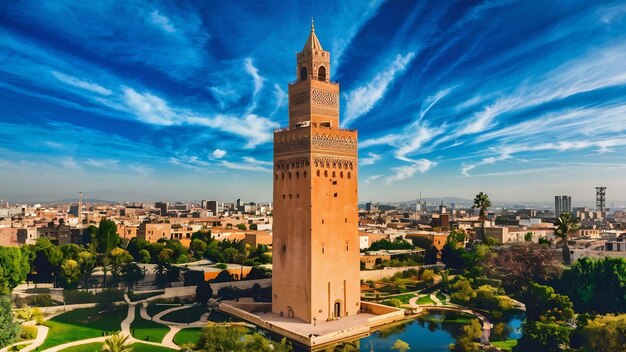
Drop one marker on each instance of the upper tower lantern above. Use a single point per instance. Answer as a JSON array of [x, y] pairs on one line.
[[313, 61], [313, 98]]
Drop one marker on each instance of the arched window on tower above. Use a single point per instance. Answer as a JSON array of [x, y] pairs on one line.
[[321, 73], [303, 73]]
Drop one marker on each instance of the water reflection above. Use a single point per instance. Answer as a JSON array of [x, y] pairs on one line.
[[434, 332]]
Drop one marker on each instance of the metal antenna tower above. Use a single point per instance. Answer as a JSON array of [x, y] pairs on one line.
[[600, 198]]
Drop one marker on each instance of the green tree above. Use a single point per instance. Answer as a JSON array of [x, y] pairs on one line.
[[131, 274], [119, 258], [8, 328], [604, 333], [595, 285], [198, 247], [222, 338], [70, 251], [565, 225], [70, 272], [242, 227], [230, 255], [548, 316], [482, 203], [116, 343], [87, 262], [47, 260], [467, 339], [204, 292], [106, 237], [400, 346], [14, 266], [144, 256]]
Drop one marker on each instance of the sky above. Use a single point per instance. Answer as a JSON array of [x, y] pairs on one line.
[[178, 100]]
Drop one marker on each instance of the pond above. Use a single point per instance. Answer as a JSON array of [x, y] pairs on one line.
[[433, 332]]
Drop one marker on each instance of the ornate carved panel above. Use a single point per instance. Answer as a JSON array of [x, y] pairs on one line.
[[324, 98], [334, 143], [325, 161], [291, 145], [325, 112], [294, 162]]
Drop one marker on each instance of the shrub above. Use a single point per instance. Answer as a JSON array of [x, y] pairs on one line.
[[40, 300], [29, 332], [393, 302]]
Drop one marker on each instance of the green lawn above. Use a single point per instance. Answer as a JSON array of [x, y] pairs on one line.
[[404, 298], [154, 309], [82, 324], [505, 345], [141, 296], [147, 330], [187, 315], [137, 347], [425, 300], [190, 335]]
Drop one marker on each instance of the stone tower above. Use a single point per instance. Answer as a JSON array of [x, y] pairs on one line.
[[315, 232]]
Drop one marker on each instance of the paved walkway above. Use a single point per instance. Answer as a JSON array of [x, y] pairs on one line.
[[197, 324], [42, 333], [168, 340], [433, 296]]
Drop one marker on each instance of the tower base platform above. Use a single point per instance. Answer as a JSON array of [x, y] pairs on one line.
[[371, 316]]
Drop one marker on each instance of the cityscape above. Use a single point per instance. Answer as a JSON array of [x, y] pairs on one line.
[[335, 176]]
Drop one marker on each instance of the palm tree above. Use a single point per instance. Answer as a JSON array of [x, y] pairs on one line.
[[116, 343], [482, 203], [565, 224]]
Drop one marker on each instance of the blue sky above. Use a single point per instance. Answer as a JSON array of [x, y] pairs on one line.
[[179, 100]]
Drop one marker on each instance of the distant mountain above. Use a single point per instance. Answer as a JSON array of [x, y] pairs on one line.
[[101, 196]]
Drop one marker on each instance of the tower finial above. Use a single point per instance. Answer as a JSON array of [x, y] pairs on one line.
[[312, 25]]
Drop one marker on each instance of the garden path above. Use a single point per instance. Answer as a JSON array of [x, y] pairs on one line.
[[42, 333]]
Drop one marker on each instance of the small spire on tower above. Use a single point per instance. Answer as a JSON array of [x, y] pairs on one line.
[[312, 25]]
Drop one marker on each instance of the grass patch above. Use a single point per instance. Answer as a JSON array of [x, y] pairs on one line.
[[141, 296], [82, 324], [187, 315], [137, 347], [505, 345], [404, 298], [154, 309], [147, 330], [190, 335], [425, 300], [88, 347]]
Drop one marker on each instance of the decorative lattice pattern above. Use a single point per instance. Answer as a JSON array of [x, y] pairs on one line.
[[334, 162], [325, 98], [292, 163], [334, 144], [299, 99]]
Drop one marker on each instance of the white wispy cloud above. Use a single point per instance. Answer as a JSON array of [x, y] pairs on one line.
[[362, 99], [92, 87], [70, 163], [218, 153], [254, 73], [371, 159], [149, 108], [406, 171], [245, 166], [162, 21], [251, 160], [370, 179], [280, 96]]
